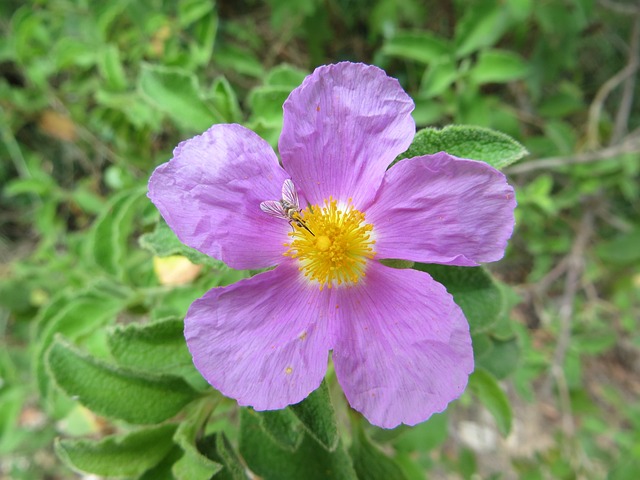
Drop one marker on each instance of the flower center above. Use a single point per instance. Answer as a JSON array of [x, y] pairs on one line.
[[331, 244]]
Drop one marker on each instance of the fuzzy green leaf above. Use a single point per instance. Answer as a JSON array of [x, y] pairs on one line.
[[283, 427], [476, 143], [129, 454], [115, 392], [225, 100], [498, 66], [486, 388], [369, 462], [218, 448], [502, 358], [473, 289], [162, 242], [194, 465], [317, 415], [157, 347], [285, 76], [421, 47], [177, 93], [310, 461], [266, 103], [110, 67], [480, 27], [74, 315], [109, 235]]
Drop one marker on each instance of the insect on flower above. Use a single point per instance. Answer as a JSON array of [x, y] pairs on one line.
[[288, 208]]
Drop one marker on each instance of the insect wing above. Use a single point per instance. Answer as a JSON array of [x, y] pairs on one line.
[[275, 209], [289, 194]]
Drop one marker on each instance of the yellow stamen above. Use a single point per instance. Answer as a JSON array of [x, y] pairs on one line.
[[337, 251]]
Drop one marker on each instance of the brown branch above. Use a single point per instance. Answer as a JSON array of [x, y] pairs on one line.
[[596, 107], [624, 110], [574, 272], [620, 7], [631, 145]]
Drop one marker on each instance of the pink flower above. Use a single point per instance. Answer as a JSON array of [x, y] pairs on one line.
[[401, 346]]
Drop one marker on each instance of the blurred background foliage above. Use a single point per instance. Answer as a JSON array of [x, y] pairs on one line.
[[94, 95]]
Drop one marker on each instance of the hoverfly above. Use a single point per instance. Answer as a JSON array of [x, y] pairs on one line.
[[288, 208]]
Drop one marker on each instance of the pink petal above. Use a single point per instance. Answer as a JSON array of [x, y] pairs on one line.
[[443, 209], [403, 351], [342, 128], [210, 194], [262, 341]]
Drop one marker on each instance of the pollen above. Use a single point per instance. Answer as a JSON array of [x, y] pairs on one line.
[[332, 244]]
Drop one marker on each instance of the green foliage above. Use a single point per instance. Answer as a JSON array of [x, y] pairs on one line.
[[317, 417], [485, 387], [176, 93], [494, 148], [158, 347], [271, 461], [193, 464], [370, 463], [474, 290], [114, 391], [162, 242], [94, 95], [129, 454]]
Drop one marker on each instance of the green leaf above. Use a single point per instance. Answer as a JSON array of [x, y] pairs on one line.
[[218, 448], [177, 93], [476, 143], [486, 388], [480, 27], [622, 250], [129, 454], [310, 461], [194, 465], [498, 66], [285, 76], [73, 315], [162, 242], [225, 100], [108, 240], [266, 103], [205, 29], [425, 436], [438, 78], [239, 60], [190, 11], [502, 358], [421, 47], [317, 415], [473, 289], [163, 470], [115, 392], [369, 462], [156, 347], [111, 69], [11, 404], [283, 427], [482, 345]]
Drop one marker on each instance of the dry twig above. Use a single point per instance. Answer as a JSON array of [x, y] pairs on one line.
[[630, 145], [624, 110]]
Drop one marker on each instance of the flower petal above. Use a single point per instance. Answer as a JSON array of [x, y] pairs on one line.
[[210, 194], [263, 340], [404, 351], [342, 128], [443, 209]]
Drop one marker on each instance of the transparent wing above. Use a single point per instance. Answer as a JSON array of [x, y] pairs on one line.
[[289, 194], [274, 208]]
